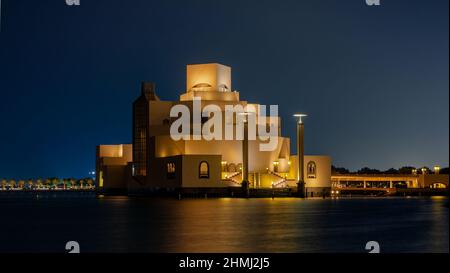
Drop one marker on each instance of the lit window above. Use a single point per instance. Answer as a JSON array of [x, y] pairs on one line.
[[203, 170], [201, 87], [275, 166], [100, 177], [171, 170], [311, 169], [223, 88]]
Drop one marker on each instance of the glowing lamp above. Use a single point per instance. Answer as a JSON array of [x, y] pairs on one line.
[[300, 116]]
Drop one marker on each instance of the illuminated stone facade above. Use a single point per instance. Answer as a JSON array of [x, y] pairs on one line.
[[159, 162]]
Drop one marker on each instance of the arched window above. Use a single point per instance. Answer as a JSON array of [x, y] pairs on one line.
[[311, 169], [203, 170], [232, 168]]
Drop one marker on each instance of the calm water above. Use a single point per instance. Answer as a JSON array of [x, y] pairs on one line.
[[224, 225]]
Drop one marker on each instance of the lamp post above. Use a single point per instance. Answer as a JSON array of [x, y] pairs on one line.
[[437, 169], [245, 182], [300, 155]]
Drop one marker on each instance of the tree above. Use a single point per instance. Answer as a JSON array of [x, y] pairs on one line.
[[339, 170], [30, 183], [4, 183], [81, 183], [73, 182], [444, 171], [55, 182], [406, 170], [90, 182], [391, 171], [65, 181], [39, 183], [424, 168], [47, 182], [12, 184], [21, 184], [367, 170]]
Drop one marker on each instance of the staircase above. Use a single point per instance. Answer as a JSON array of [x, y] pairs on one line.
[[234, 179], [281, 183]]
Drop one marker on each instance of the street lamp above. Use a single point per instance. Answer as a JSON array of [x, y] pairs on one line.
[[300, 155], [437, 169], [300, 116], [424, 170]]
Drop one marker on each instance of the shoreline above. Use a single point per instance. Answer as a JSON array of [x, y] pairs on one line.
[[208, 194]]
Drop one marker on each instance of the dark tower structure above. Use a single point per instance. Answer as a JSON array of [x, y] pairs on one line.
[[141, 133]]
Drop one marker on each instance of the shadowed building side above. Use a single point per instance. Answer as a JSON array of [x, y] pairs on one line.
[[112, 167]]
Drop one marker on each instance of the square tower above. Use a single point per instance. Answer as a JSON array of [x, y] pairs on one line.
[[208, 77]]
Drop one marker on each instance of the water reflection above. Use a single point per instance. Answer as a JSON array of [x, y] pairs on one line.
[[227, 225]]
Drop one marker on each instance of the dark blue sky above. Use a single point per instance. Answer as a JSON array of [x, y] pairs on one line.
[[373, 79]]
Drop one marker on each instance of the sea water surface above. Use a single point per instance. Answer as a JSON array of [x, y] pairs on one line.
[[123, 224]]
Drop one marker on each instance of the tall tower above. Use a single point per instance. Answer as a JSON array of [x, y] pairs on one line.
[[141, 134]]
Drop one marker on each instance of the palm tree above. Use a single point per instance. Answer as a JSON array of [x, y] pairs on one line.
[[21, 184], [47, 183], [72, 182], [39, 183], [30, 184], [4, 183], [55, 182], [90, 182], [81, 182], [12, 184]]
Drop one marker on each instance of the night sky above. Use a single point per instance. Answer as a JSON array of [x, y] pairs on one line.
[[374, 80]]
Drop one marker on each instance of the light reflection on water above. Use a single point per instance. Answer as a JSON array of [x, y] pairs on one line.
[[121, 224]]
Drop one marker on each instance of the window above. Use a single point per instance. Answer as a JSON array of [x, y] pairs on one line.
[[203, 171], [140, 137], [275, 166], [223, 88], [100, 179], [170, 170], [232, 168], [202, 87], [311, 169]]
